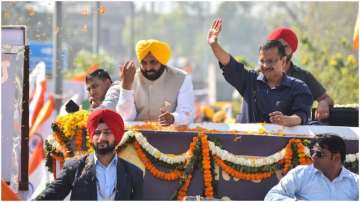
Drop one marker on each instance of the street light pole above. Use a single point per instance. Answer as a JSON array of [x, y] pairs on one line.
[[96, 26], [57, 55], [132, 29]]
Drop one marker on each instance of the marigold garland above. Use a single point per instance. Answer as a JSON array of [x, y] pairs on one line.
[[73, 128], [169, 176], [183, 190], [188, 169], [207, 177], [303, 159], [288, 158], [72, 122], [241, 175]]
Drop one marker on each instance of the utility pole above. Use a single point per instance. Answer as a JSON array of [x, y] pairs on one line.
[[132, 29], [96, 27], [57, 55]]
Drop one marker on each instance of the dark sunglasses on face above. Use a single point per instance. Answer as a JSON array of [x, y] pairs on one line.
[[317, 153]]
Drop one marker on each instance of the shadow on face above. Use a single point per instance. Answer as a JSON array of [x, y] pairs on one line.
[[97, 89], [103, 140], [151, 68], [271, 63]]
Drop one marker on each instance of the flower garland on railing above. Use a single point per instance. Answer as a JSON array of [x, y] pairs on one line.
[[206, 166], [190, 166], [69, 137], [170, 176], [166, 158], [201, 152]]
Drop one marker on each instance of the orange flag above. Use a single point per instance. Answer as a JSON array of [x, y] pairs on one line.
[[81, 76], [7, 194], [44, 114], [36, 157], [37, 76], [39, 101], [356, 34]]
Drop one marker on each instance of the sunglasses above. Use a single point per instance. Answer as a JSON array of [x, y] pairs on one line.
[[317, 153]]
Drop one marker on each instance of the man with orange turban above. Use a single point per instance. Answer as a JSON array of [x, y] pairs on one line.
[[289, 39], [155, 91], [102, 175]]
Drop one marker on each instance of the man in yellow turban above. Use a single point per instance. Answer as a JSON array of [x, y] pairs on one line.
[[155, 91]]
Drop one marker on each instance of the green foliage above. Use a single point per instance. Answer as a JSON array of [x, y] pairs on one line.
[[338, 72], [243, 60], [325, 31], [85, 59]]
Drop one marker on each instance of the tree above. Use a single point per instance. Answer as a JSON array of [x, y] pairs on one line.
[[325, 31]]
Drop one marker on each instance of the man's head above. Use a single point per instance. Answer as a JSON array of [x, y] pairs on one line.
[[97, 84], [287, 37], [272, 60], [105, 129], [328, 152], [153, 56]]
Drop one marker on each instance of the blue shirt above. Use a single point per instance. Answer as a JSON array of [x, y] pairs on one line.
[[292, 96], [106, 179], [305, 182]]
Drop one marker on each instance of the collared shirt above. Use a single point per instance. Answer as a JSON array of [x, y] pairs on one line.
[[316, 89], [111, 97], [292, 96], [308, 183], [106, 179], [184, 113]]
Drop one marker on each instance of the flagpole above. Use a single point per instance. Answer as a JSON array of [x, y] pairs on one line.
[[24, 151]]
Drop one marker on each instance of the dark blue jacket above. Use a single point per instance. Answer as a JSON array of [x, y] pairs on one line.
[[291, 97], [78, 176]]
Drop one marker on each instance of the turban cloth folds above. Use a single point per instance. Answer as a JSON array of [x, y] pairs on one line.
[[112, 119], [160, 50], [285, 34]]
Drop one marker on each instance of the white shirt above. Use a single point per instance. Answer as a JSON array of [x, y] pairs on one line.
[[111, 97], [184, 113], [308, 183]]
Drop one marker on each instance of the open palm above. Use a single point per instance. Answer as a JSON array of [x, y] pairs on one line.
[[214, 31]]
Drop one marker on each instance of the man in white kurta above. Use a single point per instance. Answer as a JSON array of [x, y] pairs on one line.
[[155, 92]]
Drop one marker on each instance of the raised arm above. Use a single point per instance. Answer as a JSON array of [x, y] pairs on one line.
[[219, 52], [126, 104]]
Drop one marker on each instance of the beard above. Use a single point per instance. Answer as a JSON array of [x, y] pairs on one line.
[[152, 75], [105, 150]]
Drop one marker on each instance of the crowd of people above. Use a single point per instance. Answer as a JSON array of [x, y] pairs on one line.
[[278, 92]]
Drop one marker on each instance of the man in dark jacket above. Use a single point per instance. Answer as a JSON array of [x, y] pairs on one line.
[[102, 175], [289, 39], [269, 96]]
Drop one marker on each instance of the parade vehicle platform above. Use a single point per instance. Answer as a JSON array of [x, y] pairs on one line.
[[223, 161]]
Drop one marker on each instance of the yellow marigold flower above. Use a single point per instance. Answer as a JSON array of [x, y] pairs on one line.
[[219, 116], [207, 111], [351, 60], [305, 61], [333, 61], [262, 130], [281, 133]]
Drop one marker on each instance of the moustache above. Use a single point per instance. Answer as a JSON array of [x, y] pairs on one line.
[[150, 72]]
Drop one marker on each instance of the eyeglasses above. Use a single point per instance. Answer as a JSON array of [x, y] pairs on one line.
[[317, 153], [268, 62]]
